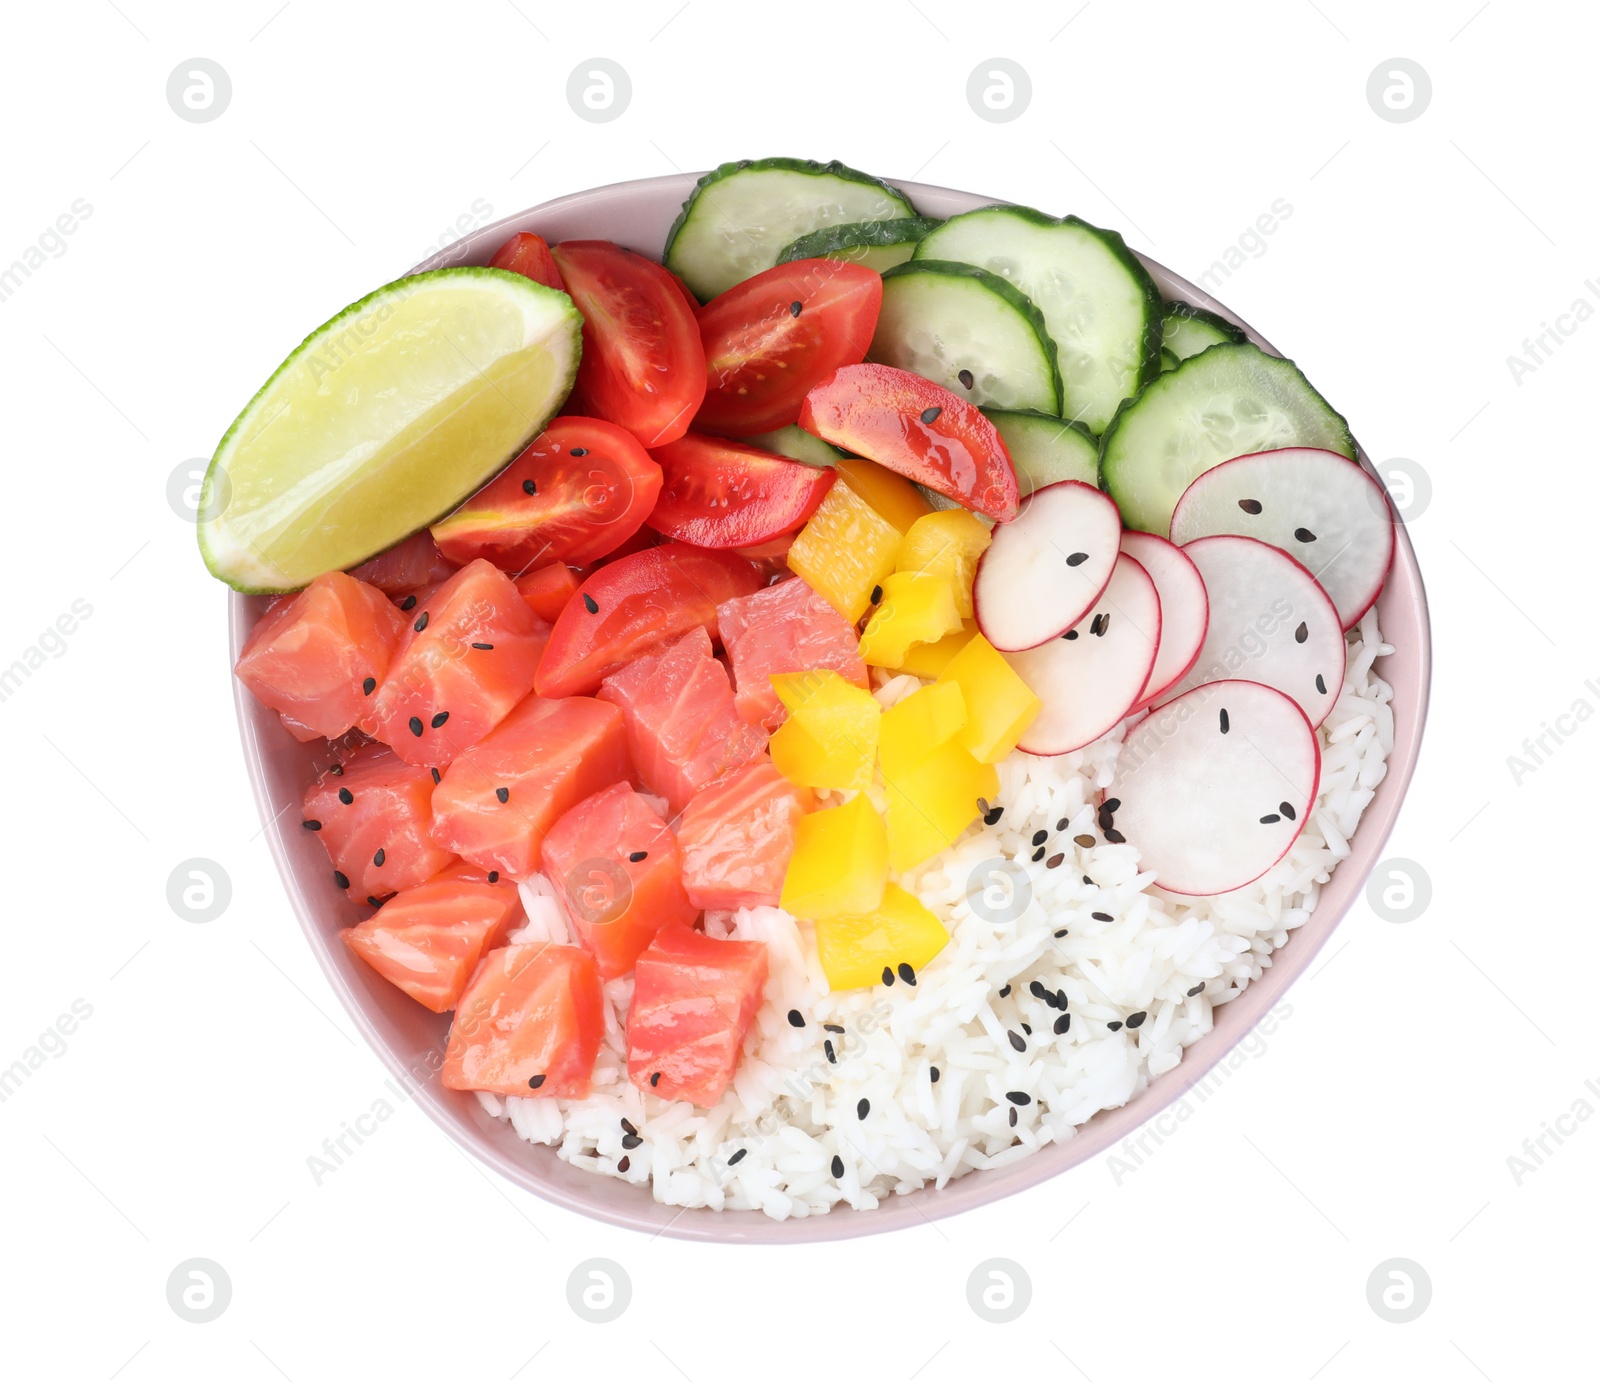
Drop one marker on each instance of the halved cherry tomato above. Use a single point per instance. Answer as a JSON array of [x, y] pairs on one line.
[[635, 603], [529, 255], [716, 492], [643, 366], [772, 337], [548, 590], [581, 489], [913, 427]]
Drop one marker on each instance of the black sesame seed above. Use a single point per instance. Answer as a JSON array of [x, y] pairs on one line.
[[1116, 837], [637, 856], [796, 1018], [1305, 535], [1058, 935], [1111, 804], [1090, 882], [341, 878], [1027, 1030], [589, 605], [1102, 622], [1054, 862], [415, 724], [484, 647], [1037, 855], [1019, 1097], [1250, 506], [379, 858], [1013, 1118], [1070, 635], [1062, 1024], [440, 719], [965, 376], [346, 796], [907, 974], [1039, 837], [529, 488], [1015, 1039], [422, 622], [827, 1050], [1005, 992], [1271, 819], [1222, 719], [1087, 842], [504, 794], [1101, 916], [627, 1126], [794, 308], [983, 805], [837, 1165], [833, 1027], [494, 876], [435, 773], [624, 1163], [373, 899], [888, 975], [369, 686], [863, 1106], [930, 415], [1137, 1019], [877, 594], [1287, 809], [534, 1082], [336, 770], [1301, 632], [1037, 989], [1114, 1025], [993, 815], [409, 603], [632, 1140], [1077, 559], [933, 1075], [312, 825], [1196, 990], [1322, 687], [655, 1078], [579, 451]]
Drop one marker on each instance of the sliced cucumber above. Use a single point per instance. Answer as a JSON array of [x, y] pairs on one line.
[[1099, 304], [1187, 331], [879, 245], [1230, 400], [1045, 449], [741, 215], [1170, 360], [970, 331], [797, 444]]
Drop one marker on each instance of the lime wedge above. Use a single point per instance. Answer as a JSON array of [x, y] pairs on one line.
[[383, 420]]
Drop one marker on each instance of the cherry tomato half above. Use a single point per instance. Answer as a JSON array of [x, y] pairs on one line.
[[911, 426], [643, 367], [581, 489], [528, 254], [772, 337], [719, 493]]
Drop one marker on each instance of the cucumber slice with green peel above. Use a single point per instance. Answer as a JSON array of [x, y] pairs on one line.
[[1170, 360], [879, 245], [797, 444], [1099, 304], [382, 421], [1045, 449], [1230, 400], [1187, 331], [970, 331], [741, 216]]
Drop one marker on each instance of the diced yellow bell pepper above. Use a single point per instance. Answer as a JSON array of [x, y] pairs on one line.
[[930, 659], [999, 705], [893, 496], [948, 544], [931, 804], [914, 608], [912, 729], [831, 735], [845, 549], [840, 864], [855, 950]]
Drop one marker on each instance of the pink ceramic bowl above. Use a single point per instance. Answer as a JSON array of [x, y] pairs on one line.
[[409, 1039]]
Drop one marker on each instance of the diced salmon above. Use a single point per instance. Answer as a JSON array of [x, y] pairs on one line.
[[683, 728], [694, 997], [616, 866], [529, 1023], [784, 628], [375, 819], [428, 940], [410, 565], [737, 836], [545, 757]]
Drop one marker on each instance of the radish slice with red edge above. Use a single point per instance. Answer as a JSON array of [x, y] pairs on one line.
[[1090, 677], [1323, 509], [1045, 569], [1213, 788], [1185, 610], [1270, 622]]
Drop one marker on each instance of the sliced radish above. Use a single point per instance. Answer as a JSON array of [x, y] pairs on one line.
[[1214, 787], [1046, 568], [1185, 611], [1321, 508], [1270, 622], [1090, 677]]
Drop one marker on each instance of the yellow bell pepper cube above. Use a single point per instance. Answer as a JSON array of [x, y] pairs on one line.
[[840, 864], [999, 705], [931, 804], [855, 950], [831, 735], [893, 496], [845, 549], [914, 608], [912, 729], [948, 544], [930, 659]]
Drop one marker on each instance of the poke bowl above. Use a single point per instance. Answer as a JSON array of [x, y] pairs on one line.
[[1070, 995]]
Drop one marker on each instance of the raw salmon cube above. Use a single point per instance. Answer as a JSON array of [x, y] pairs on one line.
[[784, 628], [737, 837]]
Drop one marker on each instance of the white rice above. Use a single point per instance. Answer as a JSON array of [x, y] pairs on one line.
[[790, 1110]]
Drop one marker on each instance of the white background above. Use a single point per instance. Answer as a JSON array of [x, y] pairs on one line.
[[1378, 1119]]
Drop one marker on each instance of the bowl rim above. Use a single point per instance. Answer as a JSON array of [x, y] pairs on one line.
[[535, 1168]]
